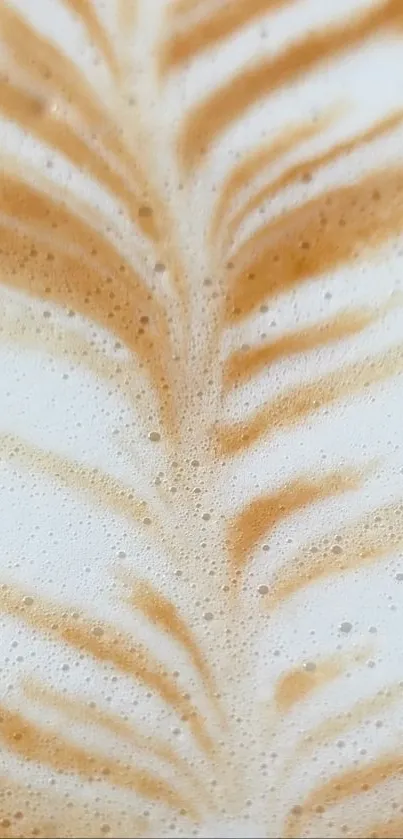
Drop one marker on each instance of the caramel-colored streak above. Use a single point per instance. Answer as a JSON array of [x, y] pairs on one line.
[[298, 403], [360, 545], [92, 482], [29, 811], [64, 344], [57, 80], [242, 365], [50, 69], [102, 642], [37, 743], [178, 8], [323, 733], [221, 23], [162, 613], [85, 11], [266, 155], [259, 518], [64, 259], [27, 204], [352, 783], [30, 112], [310, 166], [387, 829], [317, 237], [297, 684], [83, 712], [213, 116], [127, 15]]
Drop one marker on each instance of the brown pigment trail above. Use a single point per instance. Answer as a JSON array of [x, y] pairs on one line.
[[29, 811], [354, 782], [179, 8], [84, 713], [94, 484], [104, 643], [391, 828], [57, 79], [295, 405], [308, 168], [30, 112], [205, 34], [266, 155], [296, 685], [127, 15], [57, 76], [242, 365], [163, 614], [85, 11], [37, 743], [359, 545], [324, 233], [110, 292], [208, 120], [258, 519], [327, 731], [68, 344]]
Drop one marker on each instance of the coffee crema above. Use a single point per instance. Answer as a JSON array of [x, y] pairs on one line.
[[200, 211]]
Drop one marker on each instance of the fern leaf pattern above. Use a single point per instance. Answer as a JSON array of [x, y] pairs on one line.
[[201, 207]]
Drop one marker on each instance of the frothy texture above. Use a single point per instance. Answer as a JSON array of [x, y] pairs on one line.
[[201, 284]]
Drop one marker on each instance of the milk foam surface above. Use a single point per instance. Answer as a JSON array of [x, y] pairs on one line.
[[200, 439]]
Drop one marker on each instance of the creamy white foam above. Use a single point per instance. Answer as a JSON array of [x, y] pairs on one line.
[[181, 562]]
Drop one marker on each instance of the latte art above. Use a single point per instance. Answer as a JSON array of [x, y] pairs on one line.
[[201, 478]]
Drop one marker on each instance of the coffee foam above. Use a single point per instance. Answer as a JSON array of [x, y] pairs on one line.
[[200, 440]]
